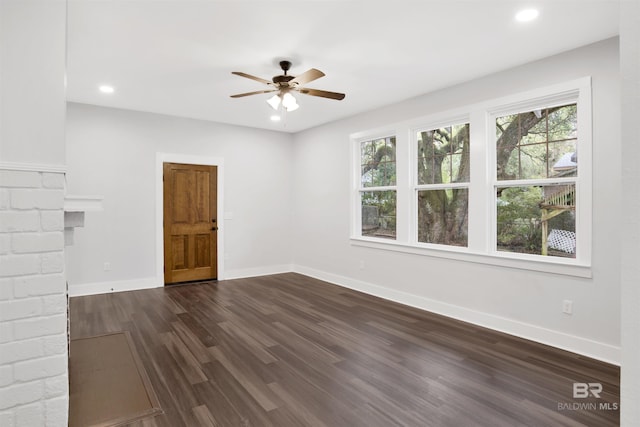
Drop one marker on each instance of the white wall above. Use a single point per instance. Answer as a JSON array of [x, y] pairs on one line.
[[32, 100], [630, 241], [112, 153], [33, 296], [516, 301]]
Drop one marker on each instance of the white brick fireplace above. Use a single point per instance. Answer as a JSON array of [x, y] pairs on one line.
[[33, 298]]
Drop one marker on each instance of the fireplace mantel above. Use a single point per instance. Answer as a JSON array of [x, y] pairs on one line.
[[74, 210]]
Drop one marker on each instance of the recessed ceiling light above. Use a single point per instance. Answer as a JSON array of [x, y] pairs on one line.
[[106, 89], [275, 118], [527, 15]]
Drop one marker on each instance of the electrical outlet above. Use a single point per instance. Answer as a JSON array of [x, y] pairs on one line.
[[107, 266], [567, 306]]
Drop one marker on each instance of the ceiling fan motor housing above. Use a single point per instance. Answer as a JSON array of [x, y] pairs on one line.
[[282, 79], [285, 65]]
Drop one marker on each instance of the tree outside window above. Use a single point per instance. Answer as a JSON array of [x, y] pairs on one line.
[[442, 185], [377, 187]]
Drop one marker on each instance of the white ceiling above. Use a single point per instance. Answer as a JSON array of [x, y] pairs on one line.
[[176, 56]]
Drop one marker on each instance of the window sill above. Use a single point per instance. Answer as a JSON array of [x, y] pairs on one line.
[[519, 261]]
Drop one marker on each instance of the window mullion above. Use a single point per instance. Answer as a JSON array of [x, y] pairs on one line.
[[479, 180], [403, 188]]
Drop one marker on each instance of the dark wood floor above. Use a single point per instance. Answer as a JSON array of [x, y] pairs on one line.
[[288, 350]]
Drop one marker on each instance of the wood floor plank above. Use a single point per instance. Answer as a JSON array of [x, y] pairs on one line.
[[312, 402], [201, 327], [188, 338], [289, 350], [224, 414], [303, 416], [204, 417], [256, 389], [187, 362], [252, 345], [251, 413]]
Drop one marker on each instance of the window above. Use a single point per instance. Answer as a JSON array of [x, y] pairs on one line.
[[537, 170], [378, 187], [504, 182], [442, 192]]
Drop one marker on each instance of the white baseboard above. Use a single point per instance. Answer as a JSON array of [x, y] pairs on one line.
[[597, 350], [115, 286], [77, 290], [258, 271]]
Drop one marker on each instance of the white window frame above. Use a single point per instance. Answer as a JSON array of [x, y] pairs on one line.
[[583, 189], [483, 182]]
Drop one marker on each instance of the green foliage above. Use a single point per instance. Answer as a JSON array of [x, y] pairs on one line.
[[564, 221], [379, 213], [519, 219], [378, 161]]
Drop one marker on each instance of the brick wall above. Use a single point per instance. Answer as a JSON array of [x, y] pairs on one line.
[[33, 299]]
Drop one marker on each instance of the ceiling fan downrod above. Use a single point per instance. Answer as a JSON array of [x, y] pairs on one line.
[[285, 65]]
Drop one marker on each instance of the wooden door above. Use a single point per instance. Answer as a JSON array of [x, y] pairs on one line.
[[190, 222]]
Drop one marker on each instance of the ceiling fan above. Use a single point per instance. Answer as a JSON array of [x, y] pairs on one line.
[[285, 84]]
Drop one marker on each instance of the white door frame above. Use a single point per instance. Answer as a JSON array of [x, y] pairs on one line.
[[189, 159]]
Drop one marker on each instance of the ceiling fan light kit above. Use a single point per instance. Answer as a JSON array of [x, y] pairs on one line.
[[284, 84], [274, 101], [287, 101]]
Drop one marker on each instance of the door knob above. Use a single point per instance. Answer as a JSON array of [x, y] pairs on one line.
[[214, 228]]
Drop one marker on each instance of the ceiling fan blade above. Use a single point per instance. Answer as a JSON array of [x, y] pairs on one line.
[[249, 76], [240, 95], [306, 77], [322, 93]]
